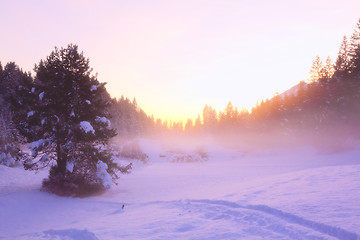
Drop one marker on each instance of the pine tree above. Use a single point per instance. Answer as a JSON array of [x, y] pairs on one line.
[[72, 126], [229, 112], [197, 124], [276, 102], [15, 87], [189, 126], [317, 70], [354, 50], [1, 74], [342, 61], [209, 117], [128, 119], [329, 69]]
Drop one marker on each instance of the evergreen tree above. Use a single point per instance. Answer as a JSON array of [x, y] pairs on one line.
[[197, 124], [71, 124], [189, 125], [328, 68], [275, 103], [317, 70], [128, 119], [15, 88], [209, 117], [1, 74], [342, 61], [354, 50], [229, 113], [244, 114], [176, 127], [301, 94]]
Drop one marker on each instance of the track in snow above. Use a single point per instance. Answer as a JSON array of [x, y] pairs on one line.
[[336, 232], [194, 219], [218, 219]]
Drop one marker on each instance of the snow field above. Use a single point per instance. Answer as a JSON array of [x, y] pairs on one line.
[[299, 194]]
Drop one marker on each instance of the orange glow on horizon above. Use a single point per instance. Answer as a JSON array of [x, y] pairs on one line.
[[175, 57]]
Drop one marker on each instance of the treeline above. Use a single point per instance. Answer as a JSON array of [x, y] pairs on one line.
[[129, 119], [326, 103], [15, 89]]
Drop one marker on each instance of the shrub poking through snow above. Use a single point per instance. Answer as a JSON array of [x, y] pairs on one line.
[[199, 155], [74, 138], [132, 151]]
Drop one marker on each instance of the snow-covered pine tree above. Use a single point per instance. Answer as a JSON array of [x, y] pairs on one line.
[[71, 124]]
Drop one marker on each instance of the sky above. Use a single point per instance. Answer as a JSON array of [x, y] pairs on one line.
[[176, 56]]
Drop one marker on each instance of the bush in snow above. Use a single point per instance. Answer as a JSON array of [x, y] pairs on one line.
[[132, 151], [72, 132], [199, 155]]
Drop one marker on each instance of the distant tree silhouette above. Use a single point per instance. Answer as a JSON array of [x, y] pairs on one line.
[[329, 68], [129, 120], [209, 117], [227, 116], [317, 70], [198, 124], [342, 61], [189, 125], [354, 50]]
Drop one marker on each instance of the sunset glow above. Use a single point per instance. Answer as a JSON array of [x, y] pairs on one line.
[[180, 119], [176, 56]]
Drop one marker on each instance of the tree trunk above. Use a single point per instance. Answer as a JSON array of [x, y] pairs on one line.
[[61, 161]]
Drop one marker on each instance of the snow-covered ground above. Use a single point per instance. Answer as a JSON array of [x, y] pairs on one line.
[[187, 193]]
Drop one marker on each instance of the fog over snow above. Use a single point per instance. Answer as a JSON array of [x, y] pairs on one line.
[[197, 191]]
